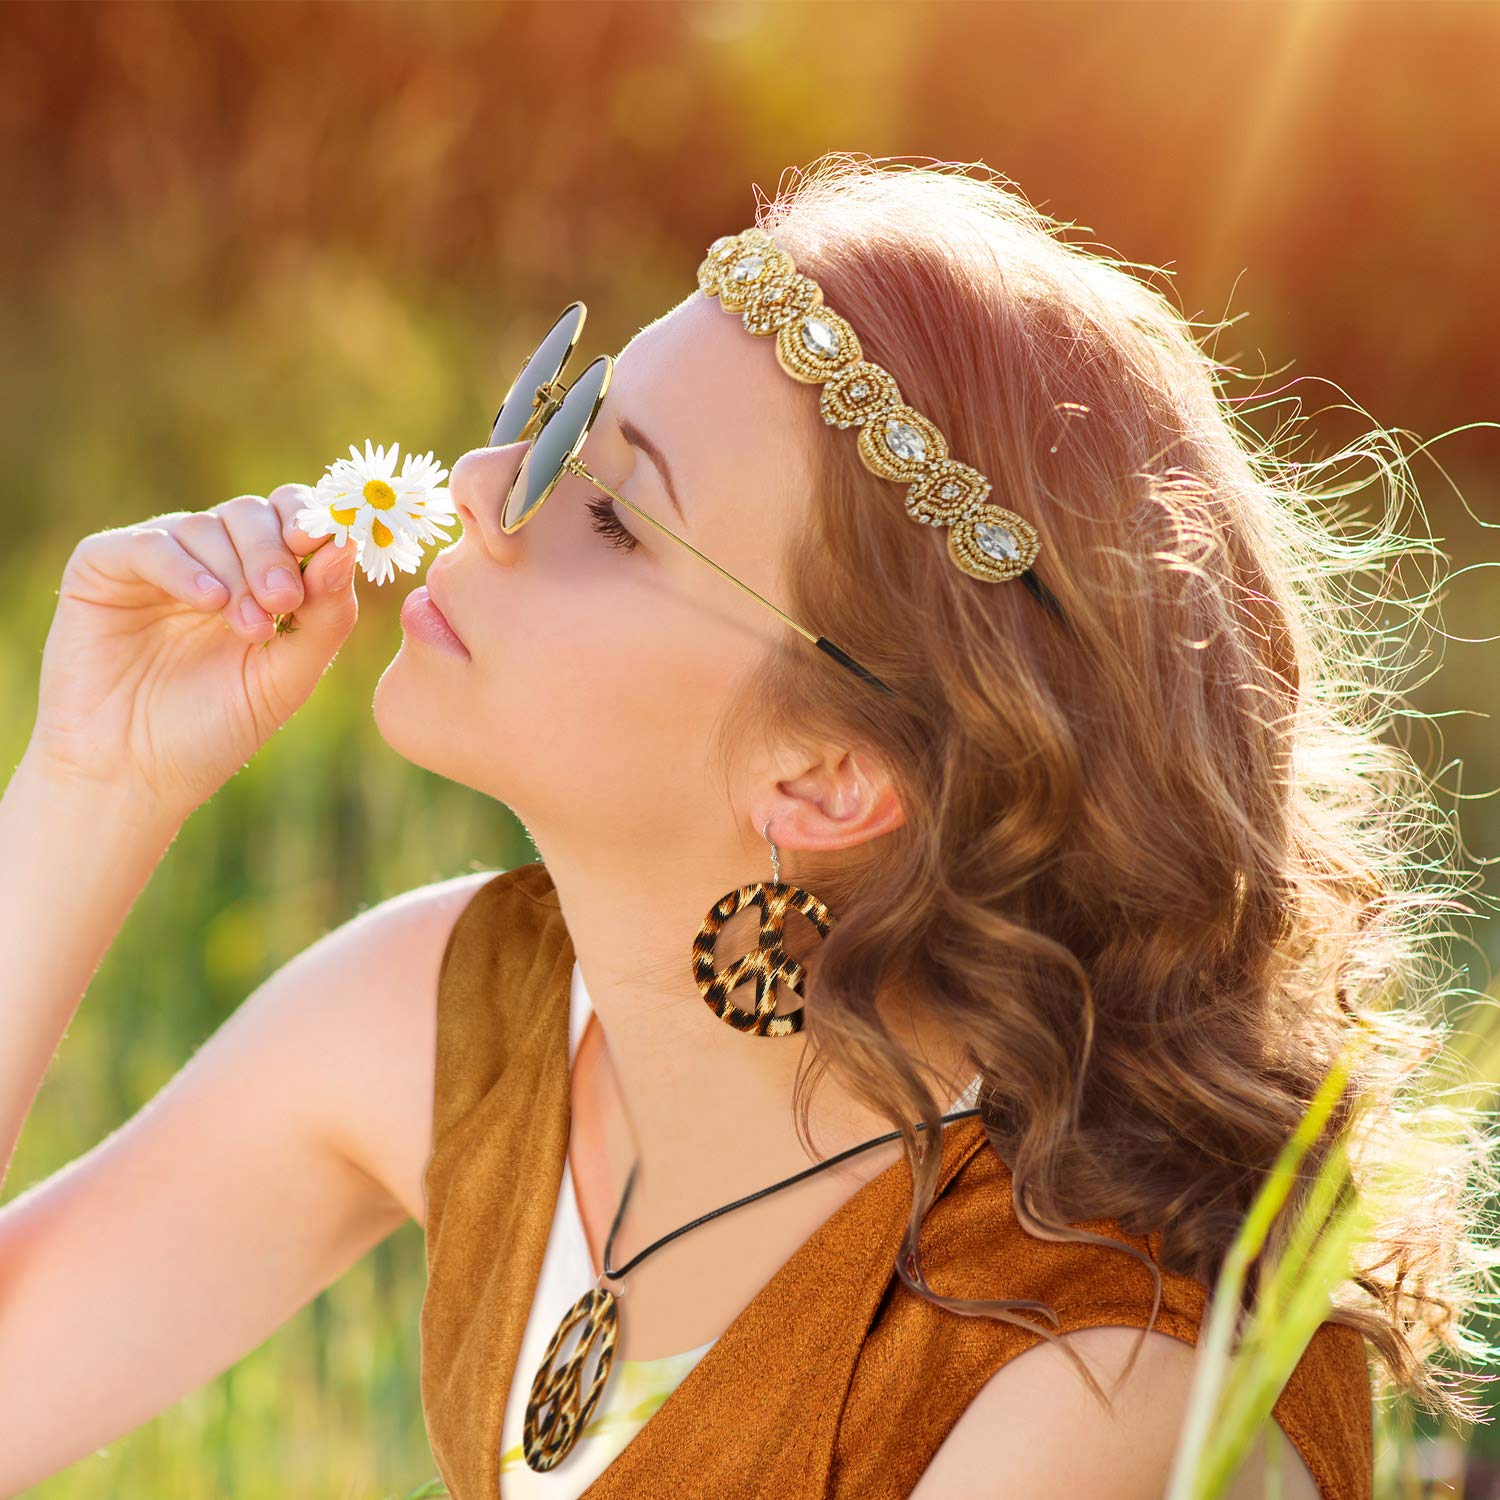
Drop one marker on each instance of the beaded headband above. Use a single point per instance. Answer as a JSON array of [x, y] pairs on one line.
[[752, 275]]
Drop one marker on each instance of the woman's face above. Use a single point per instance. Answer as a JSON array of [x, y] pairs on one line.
[[598, 652]]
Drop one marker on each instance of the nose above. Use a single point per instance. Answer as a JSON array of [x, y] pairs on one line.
[[477, 485]]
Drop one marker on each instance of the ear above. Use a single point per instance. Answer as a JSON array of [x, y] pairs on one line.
[[828, 798]]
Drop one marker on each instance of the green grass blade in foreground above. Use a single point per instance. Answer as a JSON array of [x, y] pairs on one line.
[[1215, 1347], [1257, 1379]]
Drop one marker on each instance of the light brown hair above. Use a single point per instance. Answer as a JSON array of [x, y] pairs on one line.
[[1157, 861]]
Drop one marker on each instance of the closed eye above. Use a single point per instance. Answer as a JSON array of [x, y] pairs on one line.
[[607, 523]]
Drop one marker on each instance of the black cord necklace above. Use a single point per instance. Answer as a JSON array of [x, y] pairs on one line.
[[547, 1440]]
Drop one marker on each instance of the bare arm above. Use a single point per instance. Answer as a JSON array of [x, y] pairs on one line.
[[149, 700], [74, 855], [290, 1143]]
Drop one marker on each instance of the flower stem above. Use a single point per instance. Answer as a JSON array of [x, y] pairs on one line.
[[283, 623]]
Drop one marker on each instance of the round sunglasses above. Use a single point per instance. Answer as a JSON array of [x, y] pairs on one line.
[[555, 420]]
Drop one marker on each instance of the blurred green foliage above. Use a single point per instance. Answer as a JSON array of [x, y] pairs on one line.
[[239, 237]]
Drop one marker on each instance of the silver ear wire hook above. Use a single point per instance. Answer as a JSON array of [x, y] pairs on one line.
[[775, 858]]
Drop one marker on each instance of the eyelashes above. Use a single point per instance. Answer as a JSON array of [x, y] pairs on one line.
[[607, 523]]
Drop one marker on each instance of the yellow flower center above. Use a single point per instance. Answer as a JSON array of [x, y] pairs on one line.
[[379, 494], [342, 516], [380, 533]]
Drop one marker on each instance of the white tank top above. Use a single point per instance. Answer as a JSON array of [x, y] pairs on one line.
[[636, 1387]]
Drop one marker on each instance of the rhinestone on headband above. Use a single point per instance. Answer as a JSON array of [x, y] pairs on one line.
[[752, 275]]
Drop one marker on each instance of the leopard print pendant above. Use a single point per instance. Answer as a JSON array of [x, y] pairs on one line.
[[769, 964], [547, 1440]]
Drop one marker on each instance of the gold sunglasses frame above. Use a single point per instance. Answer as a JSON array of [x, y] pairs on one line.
[[547, 400]]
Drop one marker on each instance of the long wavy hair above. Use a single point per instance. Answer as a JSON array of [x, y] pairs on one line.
[[1160, 860]]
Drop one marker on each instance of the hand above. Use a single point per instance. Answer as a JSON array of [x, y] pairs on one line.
[[150, 682]]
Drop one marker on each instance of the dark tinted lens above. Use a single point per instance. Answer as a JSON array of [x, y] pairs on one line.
[[543, 366], [554, 443]]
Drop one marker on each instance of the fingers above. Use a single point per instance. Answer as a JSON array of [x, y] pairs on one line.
[[249, 546], [288, 499], [270, 567], [156, 557], [205, 534]]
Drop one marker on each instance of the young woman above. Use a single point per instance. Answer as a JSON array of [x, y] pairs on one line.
[[1022, 680]]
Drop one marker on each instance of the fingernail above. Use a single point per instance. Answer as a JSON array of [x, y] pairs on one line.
[[251, 613], [278, 578]]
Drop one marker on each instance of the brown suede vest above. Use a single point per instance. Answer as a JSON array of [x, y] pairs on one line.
[[835, 1380]]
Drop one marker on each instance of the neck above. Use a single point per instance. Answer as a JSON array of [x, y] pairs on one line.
[[707, 1110]]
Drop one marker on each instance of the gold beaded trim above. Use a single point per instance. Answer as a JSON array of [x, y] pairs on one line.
[[752, 275]]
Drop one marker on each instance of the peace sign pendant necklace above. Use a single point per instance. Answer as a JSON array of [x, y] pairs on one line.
[[557, 1409], [547, 1438]]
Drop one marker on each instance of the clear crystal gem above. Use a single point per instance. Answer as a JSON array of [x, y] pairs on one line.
[[999, 541], [776, 294], [819, 338], [860, 389], [904, 440], [747, 267], [948, 491]]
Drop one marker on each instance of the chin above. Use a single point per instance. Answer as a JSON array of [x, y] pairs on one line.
[[415, 712]]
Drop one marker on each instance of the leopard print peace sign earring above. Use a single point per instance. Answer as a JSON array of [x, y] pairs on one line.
[[769, 964]]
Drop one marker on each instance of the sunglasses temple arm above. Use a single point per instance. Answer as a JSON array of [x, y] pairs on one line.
[[843, 658], [1043, 595], [822, 642]]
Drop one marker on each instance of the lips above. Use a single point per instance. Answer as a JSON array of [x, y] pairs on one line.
[[437, 592]]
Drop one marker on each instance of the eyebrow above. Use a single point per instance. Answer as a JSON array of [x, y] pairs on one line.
[[638, 439]]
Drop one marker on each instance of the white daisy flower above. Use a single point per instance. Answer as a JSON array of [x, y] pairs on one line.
[[429, 500], [385, 549], [388, 516]]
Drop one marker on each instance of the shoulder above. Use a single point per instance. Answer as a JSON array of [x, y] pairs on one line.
[[359, 1006], [1034, 1428]]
